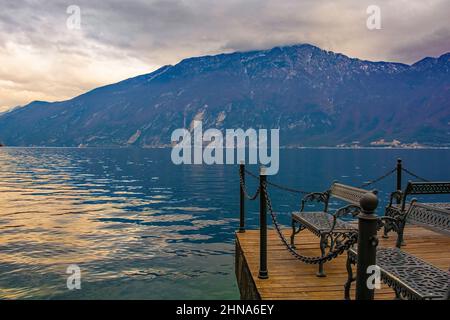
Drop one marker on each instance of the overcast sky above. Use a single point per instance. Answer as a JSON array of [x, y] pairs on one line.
[[42, 59]]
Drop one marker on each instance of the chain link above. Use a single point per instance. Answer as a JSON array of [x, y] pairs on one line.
[[415, 175], [351, 240]]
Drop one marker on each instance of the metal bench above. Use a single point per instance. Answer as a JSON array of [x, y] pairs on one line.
[[400, 208], [426, 215], [420, 188], [409, 276], [328, 227]]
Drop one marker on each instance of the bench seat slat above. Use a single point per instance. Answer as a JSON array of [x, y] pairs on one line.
[[347, 193], [321, 222]]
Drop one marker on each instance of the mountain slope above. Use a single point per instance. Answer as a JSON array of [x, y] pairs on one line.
[[315, 97]]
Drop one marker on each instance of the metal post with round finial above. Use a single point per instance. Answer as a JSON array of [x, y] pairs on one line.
[[263, 273], [399, 177], [242, 198], [367, 245]]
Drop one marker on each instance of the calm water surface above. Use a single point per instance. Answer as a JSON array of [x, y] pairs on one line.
[[140, 227]]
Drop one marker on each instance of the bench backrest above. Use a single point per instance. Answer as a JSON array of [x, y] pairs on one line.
[[427, 188], [347, 193], [435, 218], [424, 188]]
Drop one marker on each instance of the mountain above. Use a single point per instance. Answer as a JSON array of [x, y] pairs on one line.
[[315, 97]]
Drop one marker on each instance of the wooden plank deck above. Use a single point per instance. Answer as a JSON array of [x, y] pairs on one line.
[[292, 279]]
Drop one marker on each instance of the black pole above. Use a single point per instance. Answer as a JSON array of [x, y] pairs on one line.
[[242, 199], [367, 245], [263, 274], [399, 177]]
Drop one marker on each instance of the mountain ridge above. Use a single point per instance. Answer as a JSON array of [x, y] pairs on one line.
[[315, 97]]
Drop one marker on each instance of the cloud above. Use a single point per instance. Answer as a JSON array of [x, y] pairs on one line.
[[42, 59]]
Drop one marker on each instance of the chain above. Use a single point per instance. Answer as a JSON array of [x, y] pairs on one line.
[[251, 174], [298, 191], [415, 175], [352, 238], [387, 174], [288, 189], [244, 189]]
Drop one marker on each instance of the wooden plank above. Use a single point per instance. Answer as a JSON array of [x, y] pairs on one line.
[[289, 278]]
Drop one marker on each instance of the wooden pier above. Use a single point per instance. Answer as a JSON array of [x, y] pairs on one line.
[[292, 279]]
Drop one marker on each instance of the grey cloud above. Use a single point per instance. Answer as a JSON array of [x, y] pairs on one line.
[[161, 31], [147, 34], [431, 44]]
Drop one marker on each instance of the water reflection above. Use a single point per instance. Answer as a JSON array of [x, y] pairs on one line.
[[140, 227], [118, 215]]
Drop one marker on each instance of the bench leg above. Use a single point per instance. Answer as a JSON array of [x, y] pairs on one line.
[[323, 246], [400, 241], [295, 231], [293, 234], [385, 233], [350, 278]]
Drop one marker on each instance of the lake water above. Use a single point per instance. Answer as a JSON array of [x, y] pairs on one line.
[[140, 227]]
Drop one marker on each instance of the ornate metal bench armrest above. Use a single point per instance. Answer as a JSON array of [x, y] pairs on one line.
[[315, 196], [352, 209], [396, 195], [394, 212], [395, 223]]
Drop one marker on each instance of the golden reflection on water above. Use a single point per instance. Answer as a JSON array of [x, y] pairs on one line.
[[53, 213]]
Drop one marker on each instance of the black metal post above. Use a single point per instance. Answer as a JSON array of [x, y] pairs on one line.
[[242, 199], [263, 273], [367, 245], [399, 177]]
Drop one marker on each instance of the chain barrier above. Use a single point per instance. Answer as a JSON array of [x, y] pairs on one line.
[[251, 174], [366, 184], [251, 198], [298, 191], [338, 250], [415, 175], [384, 176], [288, 189]]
